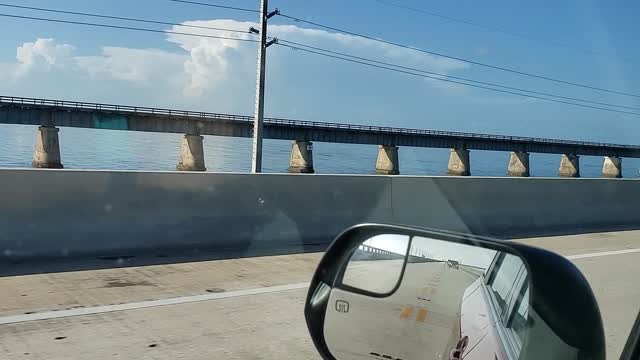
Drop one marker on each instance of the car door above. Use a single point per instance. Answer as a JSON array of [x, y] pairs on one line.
[[507, 287], [494, 313]]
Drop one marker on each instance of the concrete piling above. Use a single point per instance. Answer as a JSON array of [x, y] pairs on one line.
[[459, 163], [518, 164], [569, 166], [612, 167], [301, 157], [387, 162], [191, 154], [47, 151]]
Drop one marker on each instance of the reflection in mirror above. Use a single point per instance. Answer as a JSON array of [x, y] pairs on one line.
[[376, 265], [451, 298]]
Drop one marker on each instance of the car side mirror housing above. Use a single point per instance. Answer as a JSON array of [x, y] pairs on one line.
[[393, 292]]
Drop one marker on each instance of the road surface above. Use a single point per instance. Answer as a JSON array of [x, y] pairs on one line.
[[237, 308], [416, 322]]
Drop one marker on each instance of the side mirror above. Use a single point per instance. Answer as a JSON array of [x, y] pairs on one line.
[[392, 292]]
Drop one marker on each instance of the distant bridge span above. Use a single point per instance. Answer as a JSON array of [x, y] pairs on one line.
[[50, 114], [32, 111]]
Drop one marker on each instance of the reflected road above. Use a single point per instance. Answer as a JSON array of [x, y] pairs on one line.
[[419, 321]]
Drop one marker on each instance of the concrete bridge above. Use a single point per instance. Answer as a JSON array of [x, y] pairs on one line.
[[50, 114]]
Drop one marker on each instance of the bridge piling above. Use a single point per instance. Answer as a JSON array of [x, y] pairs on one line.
[[387, 162], [612, 167], [301, 160], [50, 114], [47, 151], [518, 164], [191, 154], [569, 166], [459, 164]]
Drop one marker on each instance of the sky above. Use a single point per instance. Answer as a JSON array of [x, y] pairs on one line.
[[440, 250], [585, 41]]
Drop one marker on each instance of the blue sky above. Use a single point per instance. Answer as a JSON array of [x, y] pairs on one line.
[[186, 72]]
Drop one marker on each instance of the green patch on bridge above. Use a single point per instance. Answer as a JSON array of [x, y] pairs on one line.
[[110, 121]]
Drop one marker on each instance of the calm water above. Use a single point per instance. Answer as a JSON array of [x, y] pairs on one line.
[[128, 150]]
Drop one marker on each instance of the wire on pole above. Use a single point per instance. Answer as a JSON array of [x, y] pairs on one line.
[[473, 62], [455, 81], [123, 27]]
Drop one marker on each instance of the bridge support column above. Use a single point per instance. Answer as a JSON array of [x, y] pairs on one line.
[[47, 152], [459, 163], [387, 162], [569, 165], [612, 167], [518, 164], [191, 154], [301, 157]]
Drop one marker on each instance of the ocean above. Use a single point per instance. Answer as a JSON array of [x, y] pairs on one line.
[[129, 150]]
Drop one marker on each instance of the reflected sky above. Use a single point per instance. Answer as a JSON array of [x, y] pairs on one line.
[[434, 249], [445, 250], [389, 242]]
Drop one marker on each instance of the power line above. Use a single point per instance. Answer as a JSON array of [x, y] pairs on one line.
[[215, 5], [542, 77], [490, 28], [158, 22], [454, 81], [441, 16], [456, 77], [124, 27], [350, 58]]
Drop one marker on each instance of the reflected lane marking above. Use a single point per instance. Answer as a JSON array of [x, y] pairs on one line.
[[604, 253], [406, 312], [147, 304], [422, 314]]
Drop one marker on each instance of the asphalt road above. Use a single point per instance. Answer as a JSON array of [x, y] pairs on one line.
[[241, 308], [419, 321]]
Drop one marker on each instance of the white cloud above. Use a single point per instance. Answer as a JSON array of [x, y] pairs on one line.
[[212, 60], [202, 72], [134, 65], [210, 57], [43, 53]]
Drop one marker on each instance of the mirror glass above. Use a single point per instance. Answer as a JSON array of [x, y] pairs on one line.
[[438, 301], [376, 265]]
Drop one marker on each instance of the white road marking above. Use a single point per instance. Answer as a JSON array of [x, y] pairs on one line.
[[206, 297], [604, 253], [146, 304]]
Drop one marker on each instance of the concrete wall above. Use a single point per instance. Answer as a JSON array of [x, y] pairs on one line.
[[517, 207], [70, 212]]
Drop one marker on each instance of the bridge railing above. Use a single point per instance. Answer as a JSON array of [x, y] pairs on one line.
[[402, 131], [297, 123], [121, 108]]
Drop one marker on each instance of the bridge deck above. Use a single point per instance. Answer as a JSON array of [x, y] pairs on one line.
[[32, 111]]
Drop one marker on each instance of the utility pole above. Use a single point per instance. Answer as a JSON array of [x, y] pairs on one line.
[[256, 161]]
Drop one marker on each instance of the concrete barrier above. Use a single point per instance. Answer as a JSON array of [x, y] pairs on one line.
[[517, 207], [55, 213], [101, 212]]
